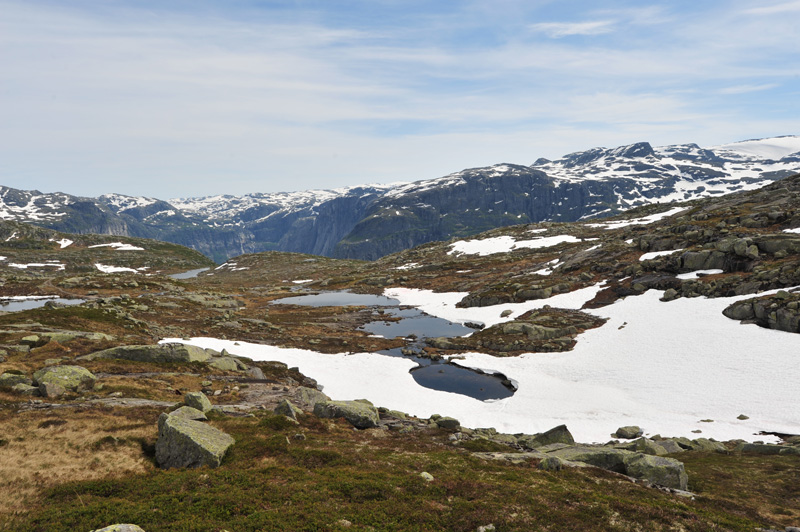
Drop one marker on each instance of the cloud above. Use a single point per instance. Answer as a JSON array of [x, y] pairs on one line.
[[557, 30], [744, 89], [786, 7]]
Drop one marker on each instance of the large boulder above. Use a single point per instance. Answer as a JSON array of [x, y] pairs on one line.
[[361, 415], [602, 457], [187, 412], [288, 409], [311, 396], [72, 378], [152, 353], [186, 443], [197, 400], [559, 434], [227, 364], [657, 469], [628, 432]]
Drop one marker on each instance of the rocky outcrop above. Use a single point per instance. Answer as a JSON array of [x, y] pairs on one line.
[[360, 414], [187, 443], [780, 311], [559, 434], [72, 378], [153, 353]]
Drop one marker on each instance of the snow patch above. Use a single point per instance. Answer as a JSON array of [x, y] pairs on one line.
[[504, 244], [653, 254], [118, 246]]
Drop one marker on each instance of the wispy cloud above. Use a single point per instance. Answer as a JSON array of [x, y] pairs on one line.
[[745, 89], [557, 30], [785, 7]]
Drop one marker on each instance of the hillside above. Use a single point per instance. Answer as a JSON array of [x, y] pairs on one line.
[[673, 318], [371, 221]]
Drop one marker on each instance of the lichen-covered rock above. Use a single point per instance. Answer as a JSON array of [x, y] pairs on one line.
[[188, 412], [551, 463], [602, 457], [187, 443], [152, 353], [311, 396], [645, 446], [759, 448], [629, 432], [51, 390], [7, 380], [227, 364], [286, 408], [72, 378], [197, 400], [120, 528], [659, 470], [359, 414], [559, 434], [448, 423], [25, 389], [706, 445]]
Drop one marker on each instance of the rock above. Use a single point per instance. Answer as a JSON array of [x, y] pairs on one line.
[[448, 423], [51, 390], [645, 446], [72, 378], [671, 446], [706, 445], [120, 528], [197, 400], [188, 412], [286, 408], [227, 364], [33, 340], [426, 476], [551, 463], [7, 380], [666, 472], [759, 448], [602, 457], [358, 414], [742, 417], [310, 396], [152, 353], [187, 443], [256, 373], [629, 432], [25, 389], [559, 434], [506, 313]]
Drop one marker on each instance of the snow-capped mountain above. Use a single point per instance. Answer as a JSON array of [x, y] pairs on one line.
[[370, 221]]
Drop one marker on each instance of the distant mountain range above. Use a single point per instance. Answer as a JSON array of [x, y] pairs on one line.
[[370, 221]]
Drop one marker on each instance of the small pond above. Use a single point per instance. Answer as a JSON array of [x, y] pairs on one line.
[[16, 305], [188, 274], [413, 323]]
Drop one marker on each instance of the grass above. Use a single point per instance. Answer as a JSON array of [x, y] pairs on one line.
[[274, 480]]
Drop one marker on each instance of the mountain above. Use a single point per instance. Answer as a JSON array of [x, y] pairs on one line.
[[371, 221]]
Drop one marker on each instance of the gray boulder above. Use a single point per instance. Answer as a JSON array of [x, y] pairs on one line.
[[187, 412], [152, 353], [559, 434], [311, 396], [25, 389], [227, 364], [629, 432], [197, 400], [286, 408], [551, 463], [72, 378], [7, 380], [602, 457], [187, 443], [449, 423], [359, 414], [666, 472], [51, 390], [759, 448]]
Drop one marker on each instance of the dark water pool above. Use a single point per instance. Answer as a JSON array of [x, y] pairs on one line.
[[415, 324]]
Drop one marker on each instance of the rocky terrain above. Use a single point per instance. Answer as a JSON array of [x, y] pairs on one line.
[[371, 221], [101, 424]]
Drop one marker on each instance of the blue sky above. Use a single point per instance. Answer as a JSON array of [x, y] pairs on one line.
[[201, 97]]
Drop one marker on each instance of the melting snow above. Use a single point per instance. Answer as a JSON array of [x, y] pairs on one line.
[[697, 273], [639, 221], [654, 254], [665, 379], [119, 246], [302, 281], [114, 269], [504, 244], [795, 230], [64, 242], [51, 264]]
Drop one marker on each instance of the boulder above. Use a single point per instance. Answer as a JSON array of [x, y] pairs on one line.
[[25, 389], [286, 408], [187, 412], [559, 434], [759, 448], [666, 472], [152, 353], [256, 373], [706, 445], [311, 396], [197, 400], [551, 463], [645, 446], [602, 457], [360, 415], [51, 390], [187, 443], [629, 432], [227, 364], [7, 380], [448, 423], [72, 378], [120, 528]]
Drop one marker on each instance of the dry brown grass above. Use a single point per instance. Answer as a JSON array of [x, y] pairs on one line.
[[68, 444]]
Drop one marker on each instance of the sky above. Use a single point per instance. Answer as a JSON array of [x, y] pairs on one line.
[[202, 97]]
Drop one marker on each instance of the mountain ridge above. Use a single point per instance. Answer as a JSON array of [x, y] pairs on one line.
[[370, 221]]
